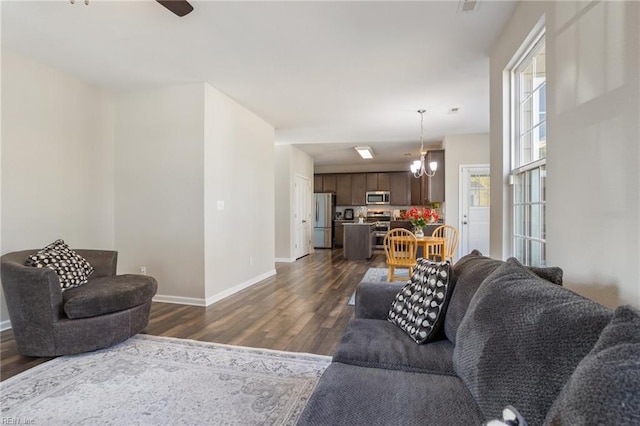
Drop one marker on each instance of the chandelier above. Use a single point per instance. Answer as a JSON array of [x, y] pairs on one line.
[[418, 167]]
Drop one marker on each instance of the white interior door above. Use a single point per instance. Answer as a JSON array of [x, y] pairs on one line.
[[474, 209], [302, 217]]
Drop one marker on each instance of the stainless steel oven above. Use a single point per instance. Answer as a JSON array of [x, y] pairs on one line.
[[381, 225]]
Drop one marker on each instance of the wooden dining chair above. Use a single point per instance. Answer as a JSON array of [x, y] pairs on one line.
[[400, 247], [449, 233]]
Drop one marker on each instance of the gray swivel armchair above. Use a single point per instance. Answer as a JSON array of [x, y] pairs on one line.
[[47, 321]]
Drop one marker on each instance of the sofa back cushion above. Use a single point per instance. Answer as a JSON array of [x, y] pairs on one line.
[[604, 387], [521, 339], [468, 273]]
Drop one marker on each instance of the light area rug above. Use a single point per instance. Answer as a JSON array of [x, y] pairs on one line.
[[375, 275], [150, 380]]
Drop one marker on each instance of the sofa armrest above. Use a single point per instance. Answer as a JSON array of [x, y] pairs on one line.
[[104, 262], [373, 299], [33, 295]]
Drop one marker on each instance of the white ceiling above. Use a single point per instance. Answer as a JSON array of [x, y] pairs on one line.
[[328, 75]]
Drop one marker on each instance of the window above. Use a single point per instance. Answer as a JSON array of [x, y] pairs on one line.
[[528, 156]]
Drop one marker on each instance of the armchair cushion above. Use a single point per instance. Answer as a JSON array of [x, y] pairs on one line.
[[72, 269], [108, 294]]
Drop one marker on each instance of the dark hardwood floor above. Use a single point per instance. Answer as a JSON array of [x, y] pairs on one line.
[[303, 308]]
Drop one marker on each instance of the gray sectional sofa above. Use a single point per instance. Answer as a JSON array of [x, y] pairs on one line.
[[511, 336]]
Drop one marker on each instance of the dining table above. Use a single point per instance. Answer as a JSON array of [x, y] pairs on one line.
[[427, 242]]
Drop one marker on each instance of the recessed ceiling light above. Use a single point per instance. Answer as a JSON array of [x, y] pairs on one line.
[[365, 152]]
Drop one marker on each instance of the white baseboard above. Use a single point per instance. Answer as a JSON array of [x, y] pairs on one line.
[[5, 325], [194, 301], [285, 259], [179, 300], [223, 295]]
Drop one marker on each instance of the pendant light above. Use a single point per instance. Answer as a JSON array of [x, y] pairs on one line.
[[418, 167]]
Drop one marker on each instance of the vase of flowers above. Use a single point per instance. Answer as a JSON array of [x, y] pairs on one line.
[[419, 218]]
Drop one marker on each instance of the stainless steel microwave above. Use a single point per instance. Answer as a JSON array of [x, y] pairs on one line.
[[378, 197]]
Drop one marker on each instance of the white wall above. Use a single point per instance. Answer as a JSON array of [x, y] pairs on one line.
[[57, 159], [159, 186], [239, 171], [290, 162], [283, 205], [179, 151], [593, 165], [127, 172], [460, 150]]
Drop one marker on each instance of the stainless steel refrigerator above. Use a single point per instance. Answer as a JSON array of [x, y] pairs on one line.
[[324, 211]]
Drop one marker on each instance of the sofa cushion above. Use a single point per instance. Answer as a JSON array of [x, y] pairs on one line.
[[373, 299], [72, 269], [419, 307], [521, 339], [588, 397], [468, 273], [350, 395], [108, 294], [380, 344]]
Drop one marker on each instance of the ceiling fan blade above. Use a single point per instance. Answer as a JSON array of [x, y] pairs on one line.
[[179, 7]]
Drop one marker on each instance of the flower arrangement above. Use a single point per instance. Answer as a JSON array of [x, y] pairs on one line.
[[362, 214], [420, 217]]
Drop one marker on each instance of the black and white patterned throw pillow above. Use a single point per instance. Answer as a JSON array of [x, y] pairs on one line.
[[419, 307], [72, 269]]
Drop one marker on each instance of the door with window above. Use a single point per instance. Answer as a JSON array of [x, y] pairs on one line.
[[474, 209]]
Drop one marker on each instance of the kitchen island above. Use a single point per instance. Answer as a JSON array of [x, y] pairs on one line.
[[358, 241]]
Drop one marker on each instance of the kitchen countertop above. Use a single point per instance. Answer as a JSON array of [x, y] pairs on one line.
[[358, 223]]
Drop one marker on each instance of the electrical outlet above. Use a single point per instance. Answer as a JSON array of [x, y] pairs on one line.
[[250, 260], [143, 270]]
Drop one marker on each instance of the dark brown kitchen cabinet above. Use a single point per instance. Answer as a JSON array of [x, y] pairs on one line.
[[338, 238], [351, 188], [358, 189], [358, 241], [418, 190], [435, 184], [317, 183], [339, 232], [343, 189], [425, 190], [399, 188], [324, 183], [377, 181], [384, 183], [329, 183]]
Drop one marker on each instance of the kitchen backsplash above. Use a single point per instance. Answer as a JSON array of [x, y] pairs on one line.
[[388, 208]]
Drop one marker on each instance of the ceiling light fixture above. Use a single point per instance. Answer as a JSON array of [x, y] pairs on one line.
[[365, 152], [418, 166]]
